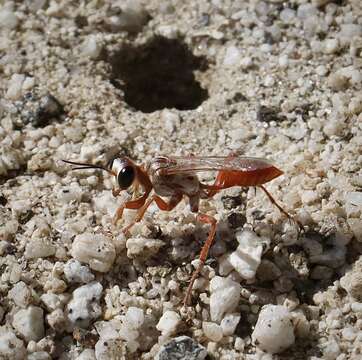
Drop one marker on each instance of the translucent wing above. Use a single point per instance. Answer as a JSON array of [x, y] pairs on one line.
[[191, 164]]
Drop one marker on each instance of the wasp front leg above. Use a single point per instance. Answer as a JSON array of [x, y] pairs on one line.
[[162, 205], [133, 204]]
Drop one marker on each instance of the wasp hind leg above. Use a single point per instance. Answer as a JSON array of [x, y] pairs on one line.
[[206, 219], [273, 201]]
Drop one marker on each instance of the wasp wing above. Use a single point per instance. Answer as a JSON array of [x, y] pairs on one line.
[[192, 164]]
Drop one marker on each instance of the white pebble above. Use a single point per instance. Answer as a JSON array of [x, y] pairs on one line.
[[246, 258], [105, 202], [84, 305], [73, 192], [232, 56], [168, 323], [356, 228], [309, 196], [20, 294], [57, 320], [212, 331], [132, 17], [28, 83], [355, 105], [51, 301], [349, 31], [8, 19], [11, 347], [352, 281], [39, 355], [330, 349], [39, 248], [246, 62], [91, 47], [94, 249], [170, 120], [321, 70], [305, 11], [269, 81], [239, 344], [331, 46], [30, 323], [14, 91], [76, 273], [283, 61], [141, 246], [134, 317], [229, 323], [356, 307], [274, 330], [354, 198], [225, 296], [287, 15]]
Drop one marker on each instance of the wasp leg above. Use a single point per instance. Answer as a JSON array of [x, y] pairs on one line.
[[132, 204], [206, 219], [162, 205], [300, 226]]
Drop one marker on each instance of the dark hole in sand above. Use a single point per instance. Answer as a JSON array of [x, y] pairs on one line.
[[158, 75]]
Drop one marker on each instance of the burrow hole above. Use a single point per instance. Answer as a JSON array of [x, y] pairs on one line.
[[159, 74]]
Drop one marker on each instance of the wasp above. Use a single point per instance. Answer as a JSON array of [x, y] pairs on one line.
[[166, 180]]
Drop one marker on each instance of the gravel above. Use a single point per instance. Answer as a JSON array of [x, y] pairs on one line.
[[272, 79]]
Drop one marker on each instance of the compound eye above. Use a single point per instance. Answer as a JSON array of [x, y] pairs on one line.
[[125, 177]]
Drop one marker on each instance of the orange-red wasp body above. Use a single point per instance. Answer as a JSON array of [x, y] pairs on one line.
[[176, 177]]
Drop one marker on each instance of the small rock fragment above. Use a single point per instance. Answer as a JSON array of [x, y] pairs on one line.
[[268, 271], [94, 249], [39, 355], [84, 305], [274, 330], [132, 17], [39, 248], [8, 19], [338, 81], [15, 86], [246, 258], [134, 317], [51, 301], [232, 56], [30, 323], [11, 347], [57, 320], [141, 246], [229, 323], [182, 347], [171, 120], [225, 296], [331, 46], [168, 323], [331, 349], [212, 331], [76, 273], [356, 228], [91, 47], [49, 107], [20, 294], [352, 281]]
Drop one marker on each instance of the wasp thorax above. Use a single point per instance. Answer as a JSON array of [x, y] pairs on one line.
[[125, 173]]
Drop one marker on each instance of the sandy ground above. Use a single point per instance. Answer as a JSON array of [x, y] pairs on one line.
[[84, 81]]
